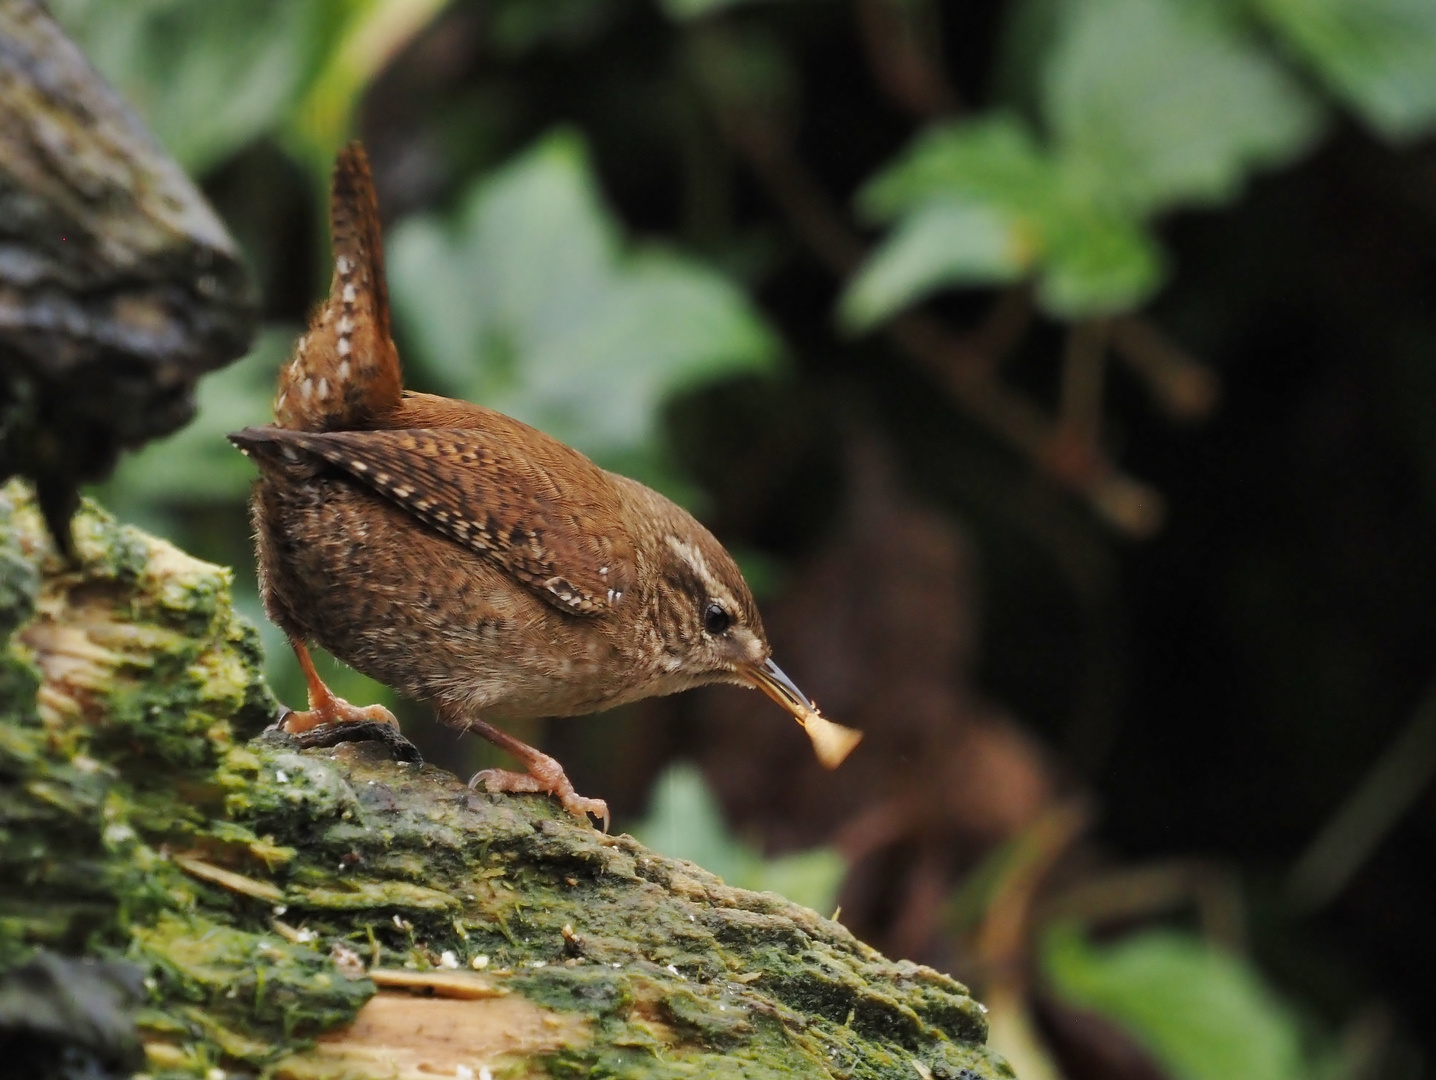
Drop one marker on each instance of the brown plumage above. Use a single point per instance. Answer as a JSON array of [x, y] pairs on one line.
[[469, 560]]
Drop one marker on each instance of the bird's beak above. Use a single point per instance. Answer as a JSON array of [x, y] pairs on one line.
[[831, 742]]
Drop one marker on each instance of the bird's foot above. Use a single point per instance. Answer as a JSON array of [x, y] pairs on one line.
[[330, 709], [325, 706], [546, 777]]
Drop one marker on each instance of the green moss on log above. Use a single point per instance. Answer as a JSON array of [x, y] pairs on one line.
[[259, 887]]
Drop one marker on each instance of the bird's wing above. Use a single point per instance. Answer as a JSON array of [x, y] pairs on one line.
[[561, 536]]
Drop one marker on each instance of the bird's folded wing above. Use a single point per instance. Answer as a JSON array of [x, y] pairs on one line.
[[562, 537]]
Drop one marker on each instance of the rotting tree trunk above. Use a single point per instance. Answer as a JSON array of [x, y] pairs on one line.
[[248, 908], [119, 285]]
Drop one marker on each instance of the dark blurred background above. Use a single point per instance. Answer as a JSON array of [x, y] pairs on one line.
[[1063, 374]]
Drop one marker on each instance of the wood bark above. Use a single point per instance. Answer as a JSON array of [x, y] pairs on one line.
[[182, 893]]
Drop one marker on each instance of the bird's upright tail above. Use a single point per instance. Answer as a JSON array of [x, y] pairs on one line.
[[345, 370]]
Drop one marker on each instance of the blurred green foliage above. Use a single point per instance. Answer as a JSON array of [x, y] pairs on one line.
[[1146, 106], [1203, 1013], [515, 284], [685, 822], [532, 302], [1375, 55], [210, 76], [979, 203], [692, 9]]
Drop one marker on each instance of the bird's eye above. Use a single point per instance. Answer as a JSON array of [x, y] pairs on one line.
[[715, 619]]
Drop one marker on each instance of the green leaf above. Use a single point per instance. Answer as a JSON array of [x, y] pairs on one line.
[[945, 242], [991, 160], [207, 75], [684, 822], [531, 303], [1095, 261], [1203, 1013], [1377, 55], [980, 203], [1155, 103], [1150, 104], [370, 34]]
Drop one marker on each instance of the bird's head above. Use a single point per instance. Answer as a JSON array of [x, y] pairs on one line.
[[711, 631]]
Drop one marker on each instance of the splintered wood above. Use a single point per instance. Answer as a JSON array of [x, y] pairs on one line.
[[399, 1035]]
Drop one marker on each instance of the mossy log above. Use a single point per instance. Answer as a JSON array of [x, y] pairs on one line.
[[183, 898]]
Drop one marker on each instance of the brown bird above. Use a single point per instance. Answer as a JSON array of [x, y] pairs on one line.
[[471, 561]]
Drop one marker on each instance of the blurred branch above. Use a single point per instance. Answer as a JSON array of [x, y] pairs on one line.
[[768, 151], [1388, 790], [967, 372], [1184, 387], [1213, 892], [920, 913], [1074, 450], [1365, 1051], [1001, 942], [1080, 410], [1006, 323], [901, 38], [876, 826]]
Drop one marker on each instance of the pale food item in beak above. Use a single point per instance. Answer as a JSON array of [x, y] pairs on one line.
[[831, 742]]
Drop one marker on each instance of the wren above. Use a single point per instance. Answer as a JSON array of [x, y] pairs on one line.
[[470, 561]]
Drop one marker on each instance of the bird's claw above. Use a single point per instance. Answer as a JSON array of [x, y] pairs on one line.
[[545, 777], [335, 710]]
